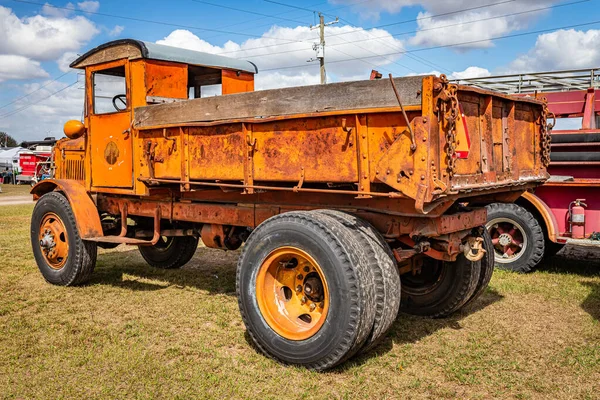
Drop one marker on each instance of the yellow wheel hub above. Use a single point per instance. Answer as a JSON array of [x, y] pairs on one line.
[[54, 241], [292, 293]]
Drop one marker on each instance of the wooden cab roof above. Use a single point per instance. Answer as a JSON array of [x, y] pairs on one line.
[[135, 49]]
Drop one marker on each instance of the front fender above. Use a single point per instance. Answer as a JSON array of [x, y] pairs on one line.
[[84, 208]]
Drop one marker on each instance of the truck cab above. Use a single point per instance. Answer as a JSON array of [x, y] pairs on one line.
[[121, 76]]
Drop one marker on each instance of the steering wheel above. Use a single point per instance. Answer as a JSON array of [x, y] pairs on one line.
[[120, 102]]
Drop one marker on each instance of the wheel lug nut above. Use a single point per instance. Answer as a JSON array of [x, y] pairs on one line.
[[300, 276], [306, 268], [303, 299], [321, 304], [313, 306], [298, 288]]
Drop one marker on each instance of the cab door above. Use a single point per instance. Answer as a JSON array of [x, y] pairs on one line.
[[110, 121]]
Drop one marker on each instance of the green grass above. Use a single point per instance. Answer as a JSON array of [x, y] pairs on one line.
[[15, 190], [137, 332]]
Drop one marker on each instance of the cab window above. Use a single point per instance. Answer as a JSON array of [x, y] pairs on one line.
[[110, 92]]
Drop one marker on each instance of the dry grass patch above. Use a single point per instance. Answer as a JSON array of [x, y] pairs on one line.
[[146, 333]]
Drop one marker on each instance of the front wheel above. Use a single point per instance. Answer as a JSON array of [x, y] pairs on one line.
[[61, 255], [517, 237]]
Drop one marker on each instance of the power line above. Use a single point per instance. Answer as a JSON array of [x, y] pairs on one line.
[[453, 44], [35, 91], [373, 27], [18, 110], [419, 59], [382, 37], [247, 11], [153, 21]]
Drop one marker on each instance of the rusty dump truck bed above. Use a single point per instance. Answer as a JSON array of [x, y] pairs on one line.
[[349, 138]]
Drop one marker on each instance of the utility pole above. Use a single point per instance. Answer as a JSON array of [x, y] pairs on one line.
[[320, 47]]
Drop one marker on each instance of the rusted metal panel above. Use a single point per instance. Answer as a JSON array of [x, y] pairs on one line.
[[319, 145], [217, 152]]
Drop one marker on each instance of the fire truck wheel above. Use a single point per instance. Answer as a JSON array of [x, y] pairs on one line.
[[487, 268], [383, 264], [517, 237], [61, 255], [441, 288], [170, 252], [304, 291]]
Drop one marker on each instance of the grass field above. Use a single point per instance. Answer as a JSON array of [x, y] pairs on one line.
[[136, 332], [15, 190]]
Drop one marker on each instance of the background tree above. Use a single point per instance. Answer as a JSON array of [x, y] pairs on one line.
[[6, 140]]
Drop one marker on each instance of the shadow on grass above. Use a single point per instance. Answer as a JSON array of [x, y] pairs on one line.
[[591, 304], [210, 270], [411, 329], [568, 265], [214, 271]]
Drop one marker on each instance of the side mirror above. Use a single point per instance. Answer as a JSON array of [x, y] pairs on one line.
[[74, 129]]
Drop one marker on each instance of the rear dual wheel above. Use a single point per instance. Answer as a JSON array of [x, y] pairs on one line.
[[442, 288], [306, 289]]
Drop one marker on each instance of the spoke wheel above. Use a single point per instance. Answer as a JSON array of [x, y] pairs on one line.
[[54, 241], [292, 293], [516, 236], [509, 239]]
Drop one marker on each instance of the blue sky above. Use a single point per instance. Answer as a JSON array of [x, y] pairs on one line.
[[37, 42]]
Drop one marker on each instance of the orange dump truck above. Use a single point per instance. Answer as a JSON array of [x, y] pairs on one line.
[[351, 200]]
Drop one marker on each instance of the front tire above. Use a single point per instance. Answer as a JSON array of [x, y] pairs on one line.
[[517, 237], [61, 255]]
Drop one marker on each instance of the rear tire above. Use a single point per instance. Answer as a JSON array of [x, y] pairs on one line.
[[518, 238], [278, 258], [441, 288], [61, 255], [383, 264], [170, 252]]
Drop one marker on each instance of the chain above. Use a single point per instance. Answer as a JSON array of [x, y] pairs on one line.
[[545, 130], [450, 110]]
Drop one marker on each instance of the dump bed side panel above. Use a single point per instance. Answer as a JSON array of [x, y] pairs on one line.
[[493, 142]]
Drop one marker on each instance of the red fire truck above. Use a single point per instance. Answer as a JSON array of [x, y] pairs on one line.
[[566, 209]]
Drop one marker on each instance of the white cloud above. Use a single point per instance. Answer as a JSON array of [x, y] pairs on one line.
[[65, 60], [116, 31], [459, 21], [46, 118], [43, 38], [19, 67], [562, 49], [270, 52], [470, 72], [89, 6], [51, 11]]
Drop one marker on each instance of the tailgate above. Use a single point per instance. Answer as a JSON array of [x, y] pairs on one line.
[[495, 140]]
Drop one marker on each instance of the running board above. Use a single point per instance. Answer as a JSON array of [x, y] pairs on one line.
[[121, 240], [584, 242]]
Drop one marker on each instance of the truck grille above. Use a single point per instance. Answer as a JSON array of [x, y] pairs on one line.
[[73, 169]]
